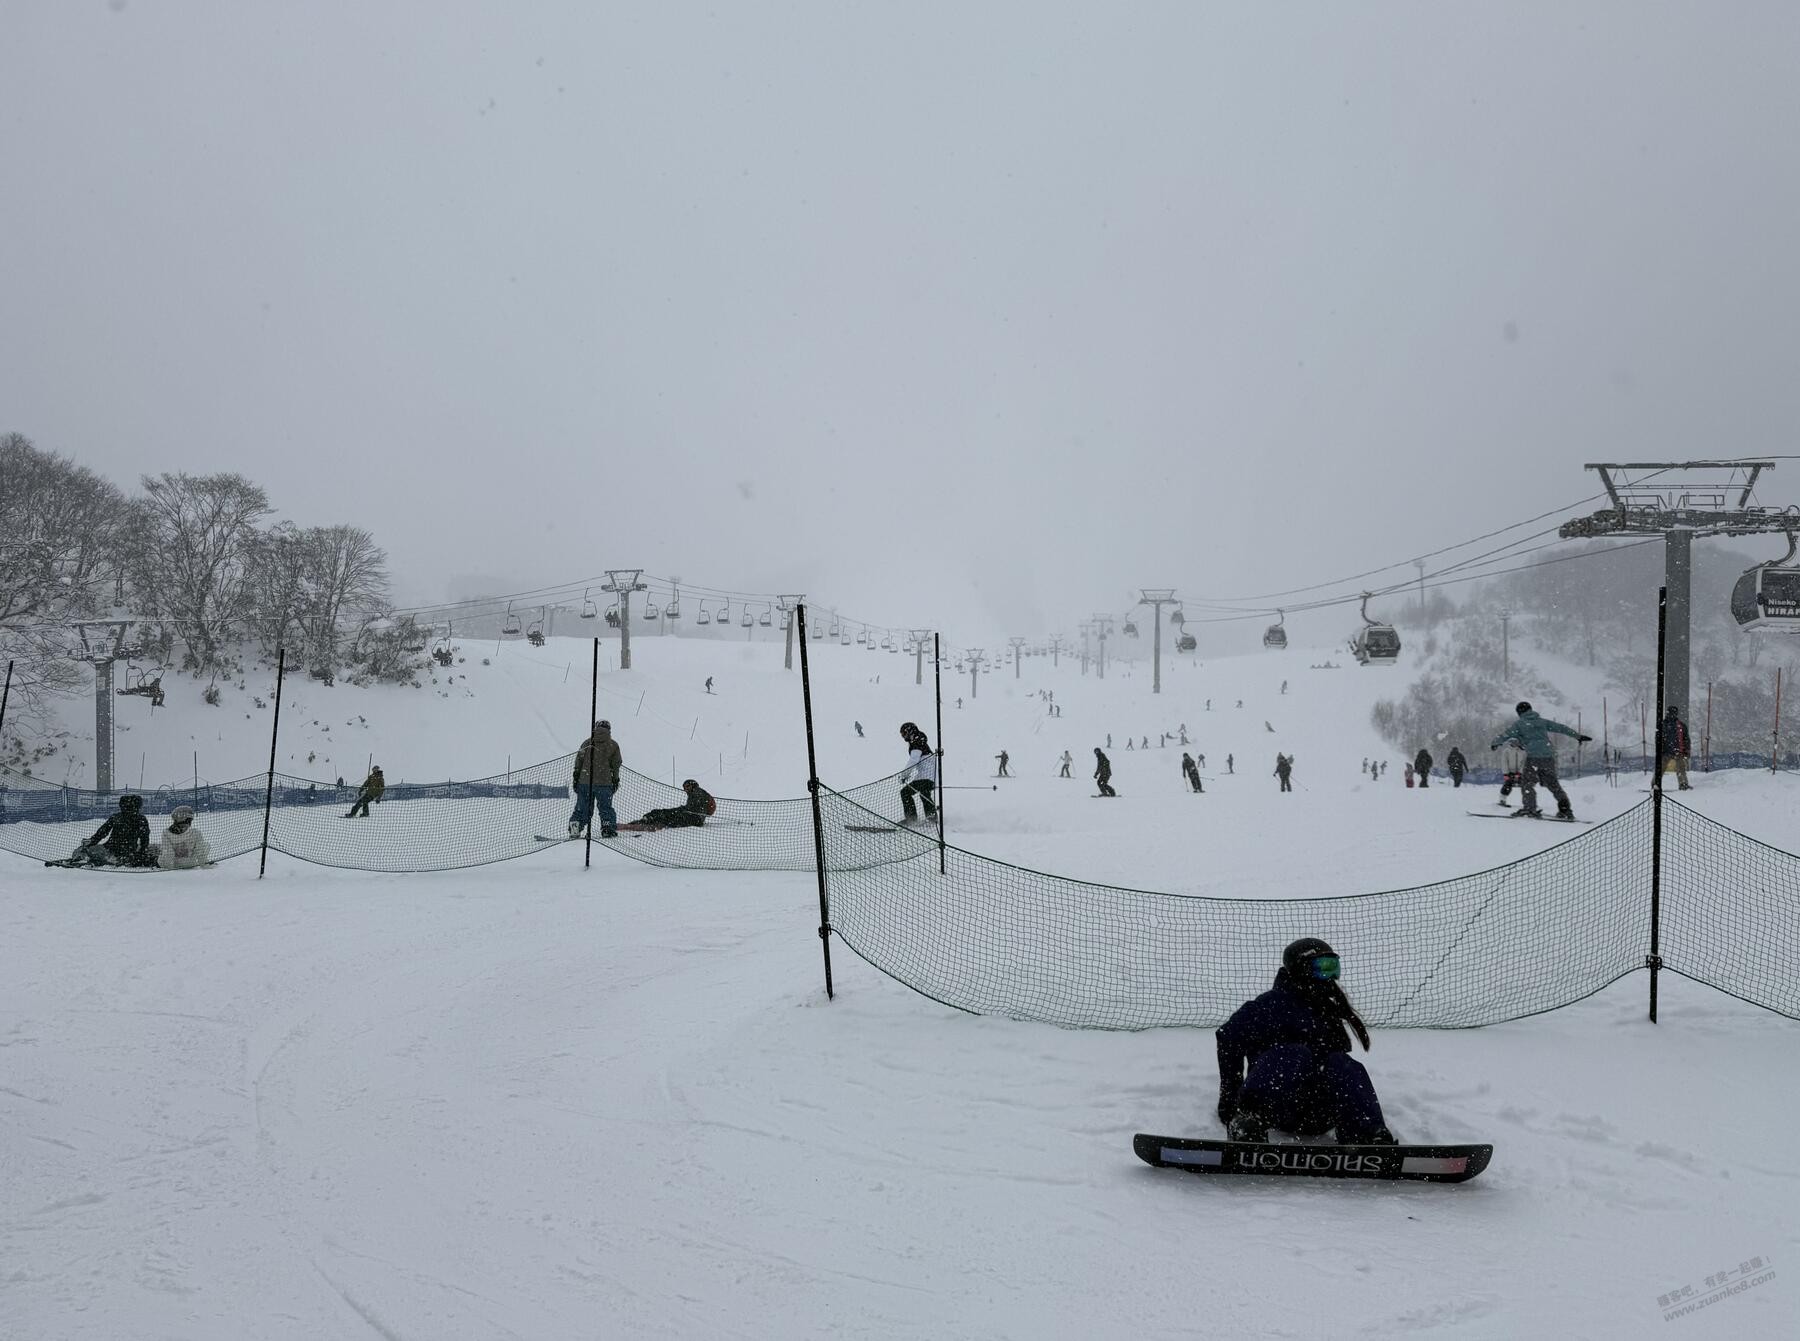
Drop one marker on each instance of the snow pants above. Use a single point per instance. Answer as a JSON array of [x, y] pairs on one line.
[[1286, 784], [1302, 1091], [586, 798], [674, 817], [1542, 772], [921, 788]]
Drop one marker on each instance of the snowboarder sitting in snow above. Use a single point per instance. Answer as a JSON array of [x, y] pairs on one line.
[[1103, 772], [123, 840], [1301, 1077], [690, 814], [373, 787], [1532, 733], [182, 847]]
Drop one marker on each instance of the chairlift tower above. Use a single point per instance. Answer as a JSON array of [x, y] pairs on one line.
[[1015, 644], [787, 604], [1102, 625], [107, 647], [622, 582], [1157, 597], [918, 637], [1679, 500], [974, 655], [1056, 645]]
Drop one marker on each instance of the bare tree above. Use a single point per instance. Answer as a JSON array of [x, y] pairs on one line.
[[346, 573], [194, 537]]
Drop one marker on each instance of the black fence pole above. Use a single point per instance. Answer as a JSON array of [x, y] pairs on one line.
[[5, 694], [587, 854], [937, 680], [274, 736], [1653, 961], [812, 788]]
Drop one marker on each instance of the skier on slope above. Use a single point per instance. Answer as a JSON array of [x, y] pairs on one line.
[[1192, 771], [597, 765], [919, 778], [1067, 761], [1301, 1077], [1422, 762], [1533, 733], [372, 790], [1103, 773], [1458, 764], [1284, 769], [1003, 759]]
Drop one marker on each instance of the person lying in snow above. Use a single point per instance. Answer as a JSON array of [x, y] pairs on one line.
[[690, 814]]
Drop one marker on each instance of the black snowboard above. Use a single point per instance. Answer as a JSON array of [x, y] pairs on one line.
[[1411, 1163], [1514, 815]]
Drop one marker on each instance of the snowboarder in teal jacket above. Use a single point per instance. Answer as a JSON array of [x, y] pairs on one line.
[[1532, 734]]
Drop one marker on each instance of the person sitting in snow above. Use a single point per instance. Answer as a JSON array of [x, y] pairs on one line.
[[691, 813], [123, 840], [182, 847], [1300, 1076]]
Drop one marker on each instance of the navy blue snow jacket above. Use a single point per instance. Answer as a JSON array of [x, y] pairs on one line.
[[1284, 1014]]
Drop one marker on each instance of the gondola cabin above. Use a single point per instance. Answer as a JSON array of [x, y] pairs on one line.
[[1767, 600], [1376, 645]]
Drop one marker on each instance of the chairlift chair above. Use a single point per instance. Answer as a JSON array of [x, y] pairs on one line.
[[818, 631], [724, 615], [834, 626], [862, 636], [612, 615], [749, 619], [1176, 617], [588, 609], [650, 610], [1766, 599], [1186, 643], [1375, 643], [1130, 629], [673, 609], [535, 633], [767, 616], [703, 617], [510, 627], [1276, 634]]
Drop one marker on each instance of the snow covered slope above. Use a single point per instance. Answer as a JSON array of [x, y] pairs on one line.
[[536, 1101]]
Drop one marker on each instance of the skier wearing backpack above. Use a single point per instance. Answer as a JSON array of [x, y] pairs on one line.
[[1458, 764], [1284, 1058], [919, 778], [1422, 762]]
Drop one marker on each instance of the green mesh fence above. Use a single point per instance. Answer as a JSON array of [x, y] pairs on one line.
[[996, 939]]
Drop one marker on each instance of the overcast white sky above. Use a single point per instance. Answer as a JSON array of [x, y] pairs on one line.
[[970, 313]]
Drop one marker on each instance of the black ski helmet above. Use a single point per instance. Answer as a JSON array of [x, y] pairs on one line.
[[1296, 957], [131, 803], [909, 729], [1522, 707]]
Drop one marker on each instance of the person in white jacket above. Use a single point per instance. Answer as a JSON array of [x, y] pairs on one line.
[[919, 778], [182, 847]]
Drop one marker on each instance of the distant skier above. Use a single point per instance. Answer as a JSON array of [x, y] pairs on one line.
[[1284, 769], [709, 684], [1672, 740], [1284, 686], [1267, 727], [1457, 764], [1533, 733], [1203, 761], [1230, 764], [1003, 758], [1365, 766], [1109, 740], [1068, 762], [1384, 764], [1128, 744], [1240, 703], [1146, 744], [371, 791], [1409, 777], [1103, 773], [1301, 1077], [859, 730], [1192, 772], [1184, 739], [1209, 705], [1422, 761], [919, 778]]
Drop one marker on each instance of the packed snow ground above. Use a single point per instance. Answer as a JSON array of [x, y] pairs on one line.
[[536, 1101]]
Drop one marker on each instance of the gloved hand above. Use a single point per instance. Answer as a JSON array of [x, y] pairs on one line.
[[1584, 739], [1228, 1105]]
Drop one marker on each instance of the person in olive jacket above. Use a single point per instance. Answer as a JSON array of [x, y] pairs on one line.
[[597, 765]]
